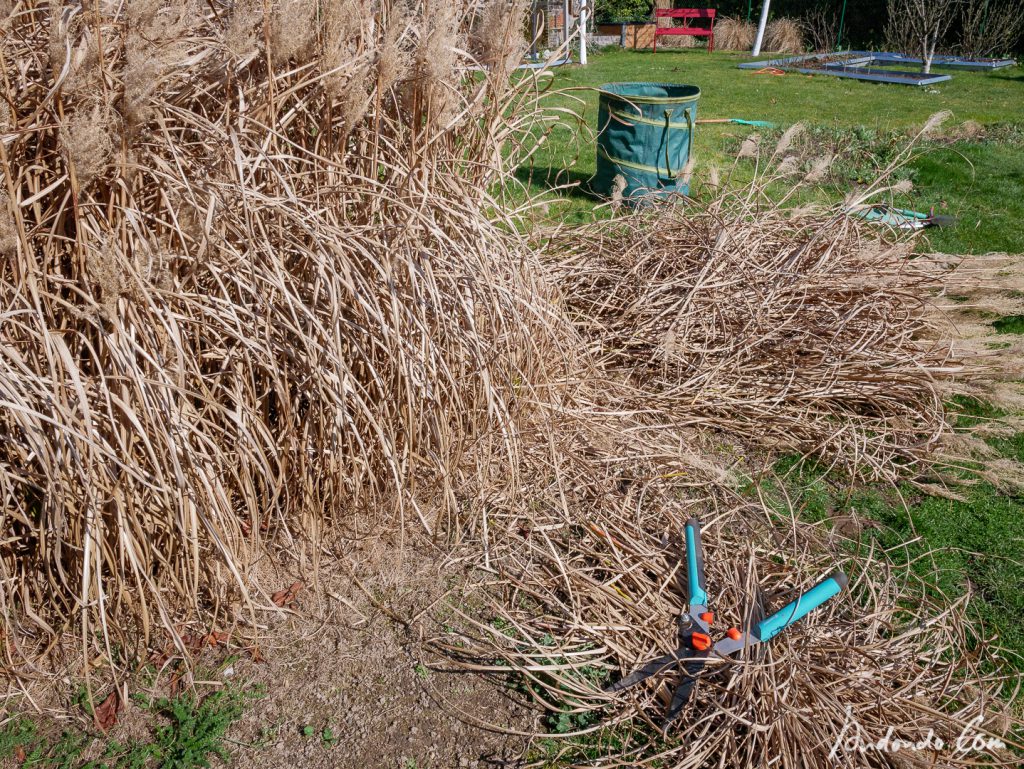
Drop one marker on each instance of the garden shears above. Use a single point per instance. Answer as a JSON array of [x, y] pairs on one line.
[[695, 646]]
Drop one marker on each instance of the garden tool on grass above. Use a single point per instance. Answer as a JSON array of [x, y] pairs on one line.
[[903, 218], [755, 123], [695, 646]]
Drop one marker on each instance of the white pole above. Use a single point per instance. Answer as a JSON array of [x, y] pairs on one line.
[[565, 27], [760, 28], [583, 32]]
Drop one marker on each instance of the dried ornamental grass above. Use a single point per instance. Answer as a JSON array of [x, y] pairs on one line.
[[733, 34], [241, 306], [783, 36], [713, 331], [269, 301]]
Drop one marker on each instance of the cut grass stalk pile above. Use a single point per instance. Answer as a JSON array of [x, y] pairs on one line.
[[796, 332], [255, 292], [803, 331]]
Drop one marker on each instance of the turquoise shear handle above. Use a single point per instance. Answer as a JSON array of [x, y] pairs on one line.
[[695, 564], [792, 612]]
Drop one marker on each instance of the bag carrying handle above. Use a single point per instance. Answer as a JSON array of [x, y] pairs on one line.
[[689, 139]]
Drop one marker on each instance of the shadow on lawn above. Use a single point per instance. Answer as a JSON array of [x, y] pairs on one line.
[[566, 182]]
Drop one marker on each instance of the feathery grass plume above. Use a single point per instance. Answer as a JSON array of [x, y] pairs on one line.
[[344, 29], [733, 34], [749, 146], [436, 60], [934, 123], [356, 98], [618, 187], [8, 227], [820, 167], [59, 39], [783, 36], [142, 13], [788, 166], [106, 276], [686, 175], [714, 177], [241, 36], [970, 129], [155, 44], [786, 140], [87, 141], [498, 41], [394, 58], [293, 29], [74, 55]]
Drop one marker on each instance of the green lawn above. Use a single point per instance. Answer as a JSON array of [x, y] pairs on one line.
[[983, 186], [979, 182]]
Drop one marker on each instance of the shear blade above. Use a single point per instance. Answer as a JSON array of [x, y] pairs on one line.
[[652, 668], [685, 689]]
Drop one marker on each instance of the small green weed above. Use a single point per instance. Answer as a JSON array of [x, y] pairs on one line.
[[15, 734], [328, 737], [1010, 324], [189, 731]]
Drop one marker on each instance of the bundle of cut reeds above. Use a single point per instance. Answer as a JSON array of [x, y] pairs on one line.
[[718, 336], [800, 334], [593, 580]]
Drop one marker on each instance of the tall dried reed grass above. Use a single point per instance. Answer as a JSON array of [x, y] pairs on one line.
[[783, 36], [247, 291], [734, 34]]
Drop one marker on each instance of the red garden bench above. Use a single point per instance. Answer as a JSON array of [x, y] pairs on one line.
[[686, 13]]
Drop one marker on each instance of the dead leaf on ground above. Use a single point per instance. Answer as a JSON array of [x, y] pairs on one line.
[[217, 638], [19, 754], [193, 642], [286, 597], [254, 653], [105, 714]]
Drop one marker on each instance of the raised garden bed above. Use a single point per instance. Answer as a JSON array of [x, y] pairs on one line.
[[872, 66]]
